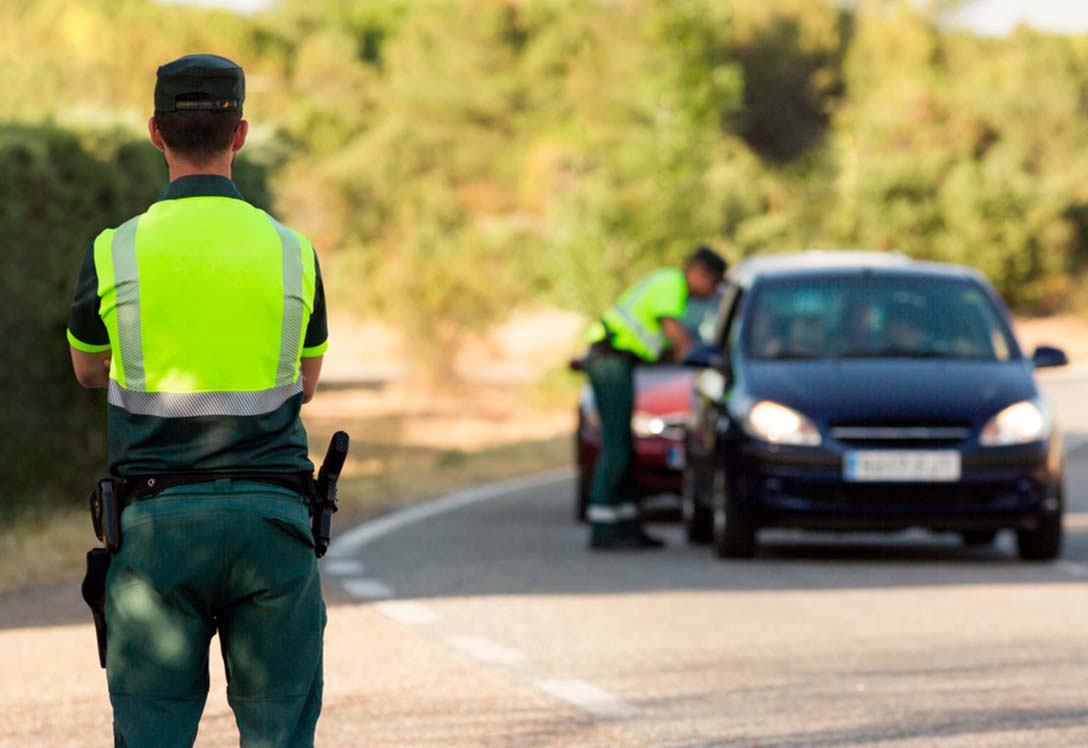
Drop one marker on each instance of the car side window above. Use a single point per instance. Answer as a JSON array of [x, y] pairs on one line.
[[727, 314]]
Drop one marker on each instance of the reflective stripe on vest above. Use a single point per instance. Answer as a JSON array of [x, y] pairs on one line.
[[133, 395], [293, 304], [654, 343], [126, 280], [191, 404]]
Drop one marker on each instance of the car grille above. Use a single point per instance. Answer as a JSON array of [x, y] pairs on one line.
[[885, 496], [901, 435]]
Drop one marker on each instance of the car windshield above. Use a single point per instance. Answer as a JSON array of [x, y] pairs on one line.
[[872, 316]]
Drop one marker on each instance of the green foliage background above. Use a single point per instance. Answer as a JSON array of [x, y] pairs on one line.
[[57, 191], [454, 160], [53, 194]]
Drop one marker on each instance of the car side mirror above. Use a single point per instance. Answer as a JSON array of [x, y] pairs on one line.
[[711, 384], [1047, 357], [704, 357]]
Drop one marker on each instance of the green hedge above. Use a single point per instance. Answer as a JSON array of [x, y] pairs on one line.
[[58, 189]]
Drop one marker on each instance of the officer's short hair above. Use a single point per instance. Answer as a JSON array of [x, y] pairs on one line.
[[709, 259], [198, 104], [198, 135]]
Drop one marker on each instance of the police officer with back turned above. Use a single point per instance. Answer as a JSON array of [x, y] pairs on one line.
[[205, 319], [641, 327]]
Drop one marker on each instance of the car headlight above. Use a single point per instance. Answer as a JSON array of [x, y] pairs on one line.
[[1021, 423], [646, 425], [778, 424]]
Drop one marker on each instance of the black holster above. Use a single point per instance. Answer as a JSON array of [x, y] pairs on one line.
[[106, 508], [604, 347], [94, 594]]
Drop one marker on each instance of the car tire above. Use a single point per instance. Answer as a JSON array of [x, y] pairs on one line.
[[1044, 543], [585, 477], [978, 538], [698, 518], [732, 537], [581, 501]]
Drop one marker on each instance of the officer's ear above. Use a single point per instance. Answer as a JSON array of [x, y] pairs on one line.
[[156, 136], [240, 133]]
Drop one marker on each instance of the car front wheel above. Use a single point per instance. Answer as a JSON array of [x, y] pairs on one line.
[[732, 537], [698, 519], [585, 475], [1044, 543], [978, 538], [581, 499]]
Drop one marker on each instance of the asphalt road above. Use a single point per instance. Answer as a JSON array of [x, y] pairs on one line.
[[824, 640], [482, 620]]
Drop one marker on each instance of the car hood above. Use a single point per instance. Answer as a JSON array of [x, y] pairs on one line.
[[892, 390]]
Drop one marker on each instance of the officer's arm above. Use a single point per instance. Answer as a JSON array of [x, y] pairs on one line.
[[92, 369], [679, 339], [311, 372]]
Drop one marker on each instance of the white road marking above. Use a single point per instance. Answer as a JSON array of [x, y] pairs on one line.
[[586, 697], [405, 611], [1071, 568], [357, 538], [486, 650], [343, 567], [367, 589]]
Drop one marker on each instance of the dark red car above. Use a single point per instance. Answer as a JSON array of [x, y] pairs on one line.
[[662, 404]]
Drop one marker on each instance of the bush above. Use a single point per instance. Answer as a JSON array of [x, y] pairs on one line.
[[58, 190]]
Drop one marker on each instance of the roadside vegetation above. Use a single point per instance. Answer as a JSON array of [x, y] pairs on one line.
[[49, 548], [457, 161]]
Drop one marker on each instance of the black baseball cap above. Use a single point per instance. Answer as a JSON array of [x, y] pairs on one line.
[[200, 83]]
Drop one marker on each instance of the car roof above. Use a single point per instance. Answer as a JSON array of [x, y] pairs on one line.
[[821, 261]]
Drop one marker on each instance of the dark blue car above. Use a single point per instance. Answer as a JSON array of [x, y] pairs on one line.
[[865, 391]]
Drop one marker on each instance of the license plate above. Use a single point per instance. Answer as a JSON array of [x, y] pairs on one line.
[[674, 459], [902, 466]]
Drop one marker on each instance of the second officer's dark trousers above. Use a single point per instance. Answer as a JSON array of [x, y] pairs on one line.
[[612, 510]]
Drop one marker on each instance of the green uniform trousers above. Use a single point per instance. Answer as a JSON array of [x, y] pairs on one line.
[[233, 558], [612, 511]]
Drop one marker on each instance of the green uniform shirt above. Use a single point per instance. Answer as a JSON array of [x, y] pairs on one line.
[[140, 443], [635, 320]]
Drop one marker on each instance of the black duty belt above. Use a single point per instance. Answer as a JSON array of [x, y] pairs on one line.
[[140, 487], [606, 345], [605, 348]]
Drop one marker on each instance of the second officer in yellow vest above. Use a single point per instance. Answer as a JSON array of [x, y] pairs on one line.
[[642, 326], [205, 319]]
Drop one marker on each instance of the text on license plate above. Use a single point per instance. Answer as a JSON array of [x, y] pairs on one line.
[[903, 466]]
